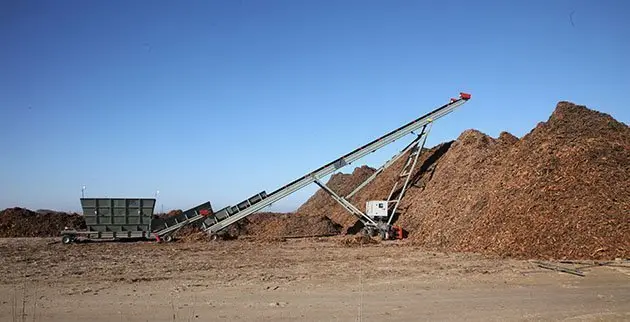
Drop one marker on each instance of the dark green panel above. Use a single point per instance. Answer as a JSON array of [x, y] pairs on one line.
[[120, 220], [118, 214]]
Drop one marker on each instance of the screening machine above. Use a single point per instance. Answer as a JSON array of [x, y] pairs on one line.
[[380, 214], [127, 218], [113, 218]]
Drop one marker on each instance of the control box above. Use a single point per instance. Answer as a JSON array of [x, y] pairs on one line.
[[376, 208]]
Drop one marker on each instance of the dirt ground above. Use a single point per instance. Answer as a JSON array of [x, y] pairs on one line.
[[317, 279]]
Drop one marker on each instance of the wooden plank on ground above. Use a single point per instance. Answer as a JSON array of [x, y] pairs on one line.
[[567, 270]]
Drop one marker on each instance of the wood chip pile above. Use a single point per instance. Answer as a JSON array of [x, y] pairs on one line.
[[20, 222], [561, 191]]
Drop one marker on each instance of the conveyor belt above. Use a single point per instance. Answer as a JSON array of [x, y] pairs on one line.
[[230, 215]]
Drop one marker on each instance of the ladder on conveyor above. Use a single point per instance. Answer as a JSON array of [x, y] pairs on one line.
[[402, 181], [213, 223]]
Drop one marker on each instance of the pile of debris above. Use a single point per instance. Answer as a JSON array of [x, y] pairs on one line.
[[20, 222], [269, 226], [561, 191], [171, 213], [290, 225]]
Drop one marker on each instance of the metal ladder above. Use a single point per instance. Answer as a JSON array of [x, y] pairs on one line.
[[396, 196]]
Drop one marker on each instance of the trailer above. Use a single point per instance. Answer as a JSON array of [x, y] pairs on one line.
[[129, 218], [113, 218]]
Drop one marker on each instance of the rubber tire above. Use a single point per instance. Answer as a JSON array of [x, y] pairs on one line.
[[168, 238], [67, 239]]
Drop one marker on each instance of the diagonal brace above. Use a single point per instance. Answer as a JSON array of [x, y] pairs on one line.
[[386, 165], [346, 204]]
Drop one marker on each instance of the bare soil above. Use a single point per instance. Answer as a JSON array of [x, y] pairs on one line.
[[311, 279]]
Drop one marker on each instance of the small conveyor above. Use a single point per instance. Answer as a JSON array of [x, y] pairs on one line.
[[215, 222]]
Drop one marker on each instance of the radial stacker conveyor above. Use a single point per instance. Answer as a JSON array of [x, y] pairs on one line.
[[379, 215], [214, 223]]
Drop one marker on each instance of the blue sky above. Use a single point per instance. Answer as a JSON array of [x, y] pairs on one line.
[[218, 100]]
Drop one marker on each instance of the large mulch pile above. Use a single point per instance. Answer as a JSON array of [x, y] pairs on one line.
[[20, 222], [561, 191]]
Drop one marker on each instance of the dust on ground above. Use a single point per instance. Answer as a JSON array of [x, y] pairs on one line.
[[300, 279]]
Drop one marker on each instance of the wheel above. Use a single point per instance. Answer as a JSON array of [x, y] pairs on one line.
[[168, 238], [67, 239], [214, 237]]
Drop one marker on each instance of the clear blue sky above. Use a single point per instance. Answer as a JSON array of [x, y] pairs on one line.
[[218, 100]]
